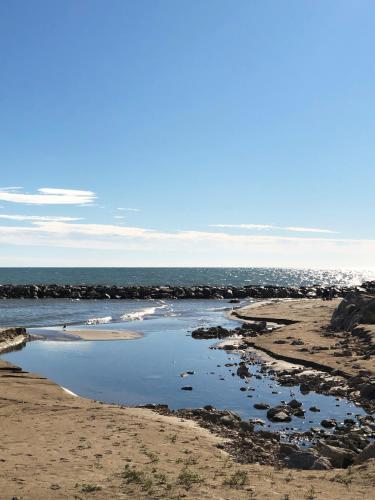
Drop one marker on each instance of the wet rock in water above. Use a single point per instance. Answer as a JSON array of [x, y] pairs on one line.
[[304, 388], [243, 371], [340, 458], [294, 404], [234, 301], [366, 454], [314, 409], [261, 406], [328, 423], [257, 421], [187, 388], [299, 412], [279, 414], [215, 332]]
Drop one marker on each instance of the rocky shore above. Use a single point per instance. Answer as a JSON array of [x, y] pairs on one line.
[[12, 338], [53, 291], [333, 346]]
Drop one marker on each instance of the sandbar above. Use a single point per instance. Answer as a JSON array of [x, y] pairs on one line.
[[104, 334]]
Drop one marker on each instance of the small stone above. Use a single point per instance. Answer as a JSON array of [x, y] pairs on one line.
[[261, 406]]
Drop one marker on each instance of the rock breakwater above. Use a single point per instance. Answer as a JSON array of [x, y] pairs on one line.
[[102, 292]]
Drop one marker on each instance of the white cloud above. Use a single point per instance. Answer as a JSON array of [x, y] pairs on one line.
[[41, 218], [295, 229], [48, 196], [308, 230], [140, 246], [244, 226], [129, 209], [118, 217]]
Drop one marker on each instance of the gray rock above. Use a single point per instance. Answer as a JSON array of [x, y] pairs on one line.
[[328, 424], [306, 460], [366, 454], [261, 406], [279, 414], [339, 457]]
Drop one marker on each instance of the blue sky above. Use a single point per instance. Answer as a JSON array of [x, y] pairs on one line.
[[238, 133]]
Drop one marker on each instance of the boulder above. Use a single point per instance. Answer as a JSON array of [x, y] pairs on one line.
[[328, 423], [355, 308], [261, 406], [339, 457], [366, 454], [243, 371], [306, 460], [279, 414]]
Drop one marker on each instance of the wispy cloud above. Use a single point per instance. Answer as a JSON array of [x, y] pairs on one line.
[[129, 209], [48, 196], [192, 247], [263, 227], [41, 218], [118, 217]]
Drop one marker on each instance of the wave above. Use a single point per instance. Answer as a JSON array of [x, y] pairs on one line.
[[219, 309], [97, 321], [140, 315]]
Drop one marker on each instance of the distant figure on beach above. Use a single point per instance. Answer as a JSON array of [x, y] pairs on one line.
[[64, 327]]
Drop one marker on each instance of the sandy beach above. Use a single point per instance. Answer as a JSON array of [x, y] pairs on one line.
[[55, 445], [58, 446], [304, 320]]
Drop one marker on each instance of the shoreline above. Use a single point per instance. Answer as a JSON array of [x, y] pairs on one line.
[[83, 445], [12, 339], [79, 445]]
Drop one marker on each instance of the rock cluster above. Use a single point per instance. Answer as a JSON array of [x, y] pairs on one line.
[[347, 444], [218, 332], [356, 308], [83, 291]]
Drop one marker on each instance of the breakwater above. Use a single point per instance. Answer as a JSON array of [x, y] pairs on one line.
[[102, 292]]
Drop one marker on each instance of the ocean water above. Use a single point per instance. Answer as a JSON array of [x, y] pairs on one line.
[[184, 276]]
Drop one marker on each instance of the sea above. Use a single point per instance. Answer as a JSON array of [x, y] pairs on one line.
[[148, 369]]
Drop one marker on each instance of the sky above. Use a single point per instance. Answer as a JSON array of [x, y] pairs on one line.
[[187, 133]]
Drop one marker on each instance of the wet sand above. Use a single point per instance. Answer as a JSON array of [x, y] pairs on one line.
[[104, 334]]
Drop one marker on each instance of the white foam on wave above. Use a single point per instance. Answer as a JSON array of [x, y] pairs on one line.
[[97, 321], [219, 308], [140, 315]]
